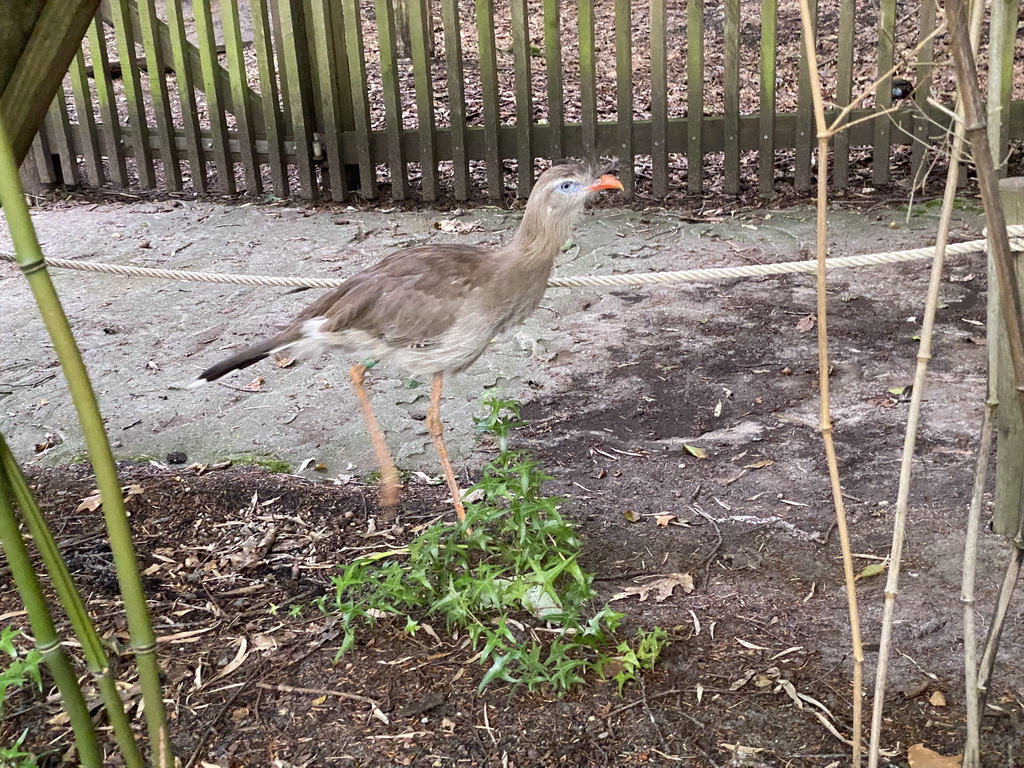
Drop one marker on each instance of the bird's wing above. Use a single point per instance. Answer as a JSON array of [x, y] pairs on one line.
[[411, 297]]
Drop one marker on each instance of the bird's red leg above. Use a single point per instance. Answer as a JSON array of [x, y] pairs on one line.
[[388, 473], [435, 428]]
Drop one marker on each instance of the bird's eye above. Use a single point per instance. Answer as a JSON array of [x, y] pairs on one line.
[[567, 186]]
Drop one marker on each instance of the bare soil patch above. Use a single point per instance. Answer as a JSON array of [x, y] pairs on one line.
[[729, 368]]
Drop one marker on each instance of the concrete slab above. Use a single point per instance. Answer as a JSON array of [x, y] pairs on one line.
[[145, 340]]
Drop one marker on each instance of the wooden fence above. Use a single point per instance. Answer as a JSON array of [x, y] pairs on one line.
[[446, 99]]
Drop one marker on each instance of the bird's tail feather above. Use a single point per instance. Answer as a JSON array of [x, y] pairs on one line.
[[242, 359]]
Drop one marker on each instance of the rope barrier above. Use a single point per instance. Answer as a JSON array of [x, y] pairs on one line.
[[1016, 234]]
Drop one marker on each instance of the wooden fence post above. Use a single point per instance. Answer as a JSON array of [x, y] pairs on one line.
[[1006, 520]]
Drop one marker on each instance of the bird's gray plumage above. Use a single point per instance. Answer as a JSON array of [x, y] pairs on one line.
[[434, 308]]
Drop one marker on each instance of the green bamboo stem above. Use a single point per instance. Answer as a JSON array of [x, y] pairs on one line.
[[92, 646], [47, 640], [30, 260]]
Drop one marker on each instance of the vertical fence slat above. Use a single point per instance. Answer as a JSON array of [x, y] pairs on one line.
[[731, 83], [111, 129], [805, 133], [61, 138], [922, 90], [130, 78], [262, 36], [553, 69], [456, 96], [524, 97], [328, 91], [214, 98], [695, 95], [420, 35], [155, 66], [659, 99], [353, 21], [240, 106], [296, 84], [40, 157], [588, 77], [1000, 83], [883, 95], [767, 100], [844, 90], [392, 98], [489, 88], [186, 95], [624, 94], [90, 140]]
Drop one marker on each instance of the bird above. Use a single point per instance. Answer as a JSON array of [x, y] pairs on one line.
[[902, 89], [433, 309]]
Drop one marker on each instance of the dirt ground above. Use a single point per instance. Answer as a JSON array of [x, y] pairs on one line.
[[616, 384]]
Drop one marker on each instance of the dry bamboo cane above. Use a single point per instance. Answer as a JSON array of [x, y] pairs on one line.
[[825, 426], [909, 443], [1002, 260], [973, 741]]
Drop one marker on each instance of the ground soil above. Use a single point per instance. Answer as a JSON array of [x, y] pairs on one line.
[[616, 385]]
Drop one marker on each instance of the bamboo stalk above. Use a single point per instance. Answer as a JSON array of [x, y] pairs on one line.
[[47, 641], [909, 443], [1002, 265], [30, 260], [92, 646], [973, 741], [917, 396], [810, 47]]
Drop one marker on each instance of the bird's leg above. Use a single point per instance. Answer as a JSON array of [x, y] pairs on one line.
[[388, 473], [435, 428]]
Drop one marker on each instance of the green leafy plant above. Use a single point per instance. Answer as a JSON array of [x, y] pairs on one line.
[[21, 671], [508, 569], [635, 658]]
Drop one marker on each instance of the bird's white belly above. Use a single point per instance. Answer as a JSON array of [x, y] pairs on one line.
[[455, 350]]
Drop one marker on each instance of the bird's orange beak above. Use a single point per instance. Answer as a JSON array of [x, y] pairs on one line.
[[605, 182]]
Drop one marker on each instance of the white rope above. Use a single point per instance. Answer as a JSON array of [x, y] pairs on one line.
[[604, 281]]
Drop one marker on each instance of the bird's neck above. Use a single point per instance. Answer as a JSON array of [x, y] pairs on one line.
[[540, 238]]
